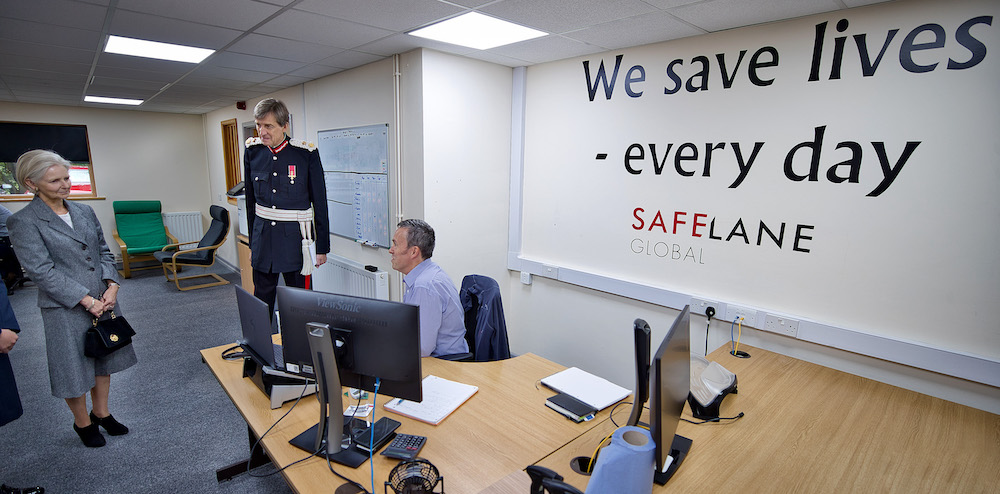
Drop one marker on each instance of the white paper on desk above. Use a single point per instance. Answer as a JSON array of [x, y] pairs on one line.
[[441, 397], [586, 387]]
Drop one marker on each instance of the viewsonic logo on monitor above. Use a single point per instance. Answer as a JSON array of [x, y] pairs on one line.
[[340, 305]]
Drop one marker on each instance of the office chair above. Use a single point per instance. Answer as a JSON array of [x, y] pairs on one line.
[[140, 232], [201, 256]]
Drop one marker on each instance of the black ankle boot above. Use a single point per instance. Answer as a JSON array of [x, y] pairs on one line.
[[109, 423], [90, 435]]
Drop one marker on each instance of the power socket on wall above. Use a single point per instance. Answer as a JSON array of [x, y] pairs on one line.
[[781, 325], [700, 305], [748, 314]]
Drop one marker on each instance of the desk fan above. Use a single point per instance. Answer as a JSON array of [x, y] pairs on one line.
[[416, 476]]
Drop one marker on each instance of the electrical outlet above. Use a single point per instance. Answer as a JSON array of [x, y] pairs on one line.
[[700, 305], [748, 314], [781, 325], [525, 277]]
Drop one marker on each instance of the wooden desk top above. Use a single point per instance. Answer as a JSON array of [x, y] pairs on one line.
[[503, 428], [812, 429]]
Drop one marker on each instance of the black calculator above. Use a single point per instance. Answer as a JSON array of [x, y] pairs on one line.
[[404, 446]]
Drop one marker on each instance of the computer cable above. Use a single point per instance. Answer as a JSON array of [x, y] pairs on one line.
[[709, 313], [735, 341], [714, 419], [329, 465], [612, 414], [593, 457], [261, 438], [371, 428]]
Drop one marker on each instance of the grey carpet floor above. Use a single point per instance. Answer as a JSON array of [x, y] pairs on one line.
[[183, 426]]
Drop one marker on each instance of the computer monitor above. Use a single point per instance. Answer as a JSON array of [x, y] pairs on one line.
[[363, 340], [641, 332], [671, 370]]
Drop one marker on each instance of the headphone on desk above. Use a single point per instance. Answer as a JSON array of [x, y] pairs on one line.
[[234, 353]]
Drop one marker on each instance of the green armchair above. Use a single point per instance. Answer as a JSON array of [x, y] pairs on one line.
[[140, 232]]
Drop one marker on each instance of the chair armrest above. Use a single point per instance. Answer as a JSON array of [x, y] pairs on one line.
[[457, 357], [172, 238], [176, 245], [173, 258], [121, 243]]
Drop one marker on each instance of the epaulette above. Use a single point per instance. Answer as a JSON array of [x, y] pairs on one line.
[[299, 143], [253, 141]]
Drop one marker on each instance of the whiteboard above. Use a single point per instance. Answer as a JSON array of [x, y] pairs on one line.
[[356, 168]]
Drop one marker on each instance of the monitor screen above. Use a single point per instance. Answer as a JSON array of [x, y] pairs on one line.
[[671, 372], [373, 338]]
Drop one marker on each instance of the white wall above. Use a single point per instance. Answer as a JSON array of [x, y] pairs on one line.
[[466, 163], [136, 156]]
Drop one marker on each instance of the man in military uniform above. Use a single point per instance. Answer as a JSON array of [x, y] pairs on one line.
[[286, 203]]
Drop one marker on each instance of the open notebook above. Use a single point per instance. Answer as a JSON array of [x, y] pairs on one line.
[[441, 397]]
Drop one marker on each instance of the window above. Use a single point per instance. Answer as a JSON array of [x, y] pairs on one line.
[[70, 141]]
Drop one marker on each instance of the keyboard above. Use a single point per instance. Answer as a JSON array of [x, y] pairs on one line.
[[405, 446]]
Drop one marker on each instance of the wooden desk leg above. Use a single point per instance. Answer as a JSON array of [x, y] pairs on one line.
[[257, 458]]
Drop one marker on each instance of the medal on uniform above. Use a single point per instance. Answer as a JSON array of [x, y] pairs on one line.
[[291, 173]]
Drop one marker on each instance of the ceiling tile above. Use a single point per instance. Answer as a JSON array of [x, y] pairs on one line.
[[253, 62], [153, 28], [270, 46], [34, 32], [547, 48], [558, 16], [384, 14], [635, 31], [234, 14], [718, 15], [65, 13], [318, 29]]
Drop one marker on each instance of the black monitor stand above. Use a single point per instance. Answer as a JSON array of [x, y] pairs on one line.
[[678, 450], [314, 439]]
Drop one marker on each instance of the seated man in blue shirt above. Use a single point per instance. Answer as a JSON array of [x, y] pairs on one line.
[[442, 321]]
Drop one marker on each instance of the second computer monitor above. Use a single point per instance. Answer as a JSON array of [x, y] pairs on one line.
[[374, 339]]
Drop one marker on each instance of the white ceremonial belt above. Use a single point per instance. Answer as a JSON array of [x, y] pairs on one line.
[[304, 217], [275, 214]]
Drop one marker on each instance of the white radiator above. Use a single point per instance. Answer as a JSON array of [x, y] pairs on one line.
[[186, 226], [345, 276]]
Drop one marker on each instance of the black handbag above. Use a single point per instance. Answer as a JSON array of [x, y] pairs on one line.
[[106, 336]]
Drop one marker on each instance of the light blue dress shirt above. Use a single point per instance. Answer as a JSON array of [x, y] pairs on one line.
[[442, 321]]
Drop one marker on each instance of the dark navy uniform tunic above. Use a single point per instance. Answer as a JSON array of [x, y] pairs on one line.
[[292, 178]]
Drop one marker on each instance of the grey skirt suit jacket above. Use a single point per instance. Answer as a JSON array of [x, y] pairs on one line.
[[67, 264]]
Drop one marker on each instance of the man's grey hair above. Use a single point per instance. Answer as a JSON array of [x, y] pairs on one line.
[[274, 107], [419, 233]]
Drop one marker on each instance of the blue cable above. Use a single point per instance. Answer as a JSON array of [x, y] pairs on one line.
[[371, 430]]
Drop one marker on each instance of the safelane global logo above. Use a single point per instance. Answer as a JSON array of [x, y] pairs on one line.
[[682, 235]]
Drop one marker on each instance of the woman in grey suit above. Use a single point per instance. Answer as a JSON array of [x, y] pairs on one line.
[[61, 247]]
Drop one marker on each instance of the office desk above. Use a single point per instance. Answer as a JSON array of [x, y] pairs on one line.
[[503, 428], [812, 429]]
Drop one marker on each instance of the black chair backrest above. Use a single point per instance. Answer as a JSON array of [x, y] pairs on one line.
[[216, 231]]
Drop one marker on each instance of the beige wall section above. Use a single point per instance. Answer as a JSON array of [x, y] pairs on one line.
[[137, 156], [467, 163]]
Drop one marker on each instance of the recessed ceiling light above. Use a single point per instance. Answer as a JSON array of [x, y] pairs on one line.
[[113, 101], [155, 49], [476, 30]]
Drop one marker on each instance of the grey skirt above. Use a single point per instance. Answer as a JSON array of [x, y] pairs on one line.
[[71, 374]]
